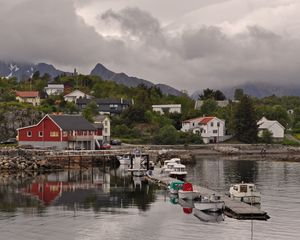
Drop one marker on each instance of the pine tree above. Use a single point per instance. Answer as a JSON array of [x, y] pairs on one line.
[[245, 121]]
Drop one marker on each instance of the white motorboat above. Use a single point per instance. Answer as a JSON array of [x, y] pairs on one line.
[[164, 167], [178, 171], [188, 192], [210, 203], [170, 164], [208, 216], [245, 192]]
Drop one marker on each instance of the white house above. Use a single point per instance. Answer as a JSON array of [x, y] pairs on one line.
[[211, 129], [73, 96], [105, 121], [273, 126], [31, 97], [170, 108], [54, 89]]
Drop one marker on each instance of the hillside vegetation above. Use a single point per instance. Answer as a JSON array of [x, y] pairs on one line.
[[139, 124]]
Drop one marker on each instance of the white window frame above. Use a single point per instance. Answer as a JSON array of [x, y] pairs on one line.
[[29, 133], [41, 134]]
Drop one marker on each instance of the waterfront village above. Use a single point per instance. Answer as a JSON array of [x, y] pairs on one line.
[[86, 113], [79, 121]]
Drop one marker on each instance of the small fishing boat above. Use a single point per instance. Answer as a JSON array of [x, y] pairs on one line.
[[245, 192], [178, 172], [187, 192], [212, 203], [175, 186]]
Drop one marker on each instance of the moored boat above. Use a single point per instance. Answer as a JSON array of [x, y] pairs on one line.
[[175, 186], [210, 203], [169, 164], [208, 216], [178, 172], [245, 192], [187, 192]]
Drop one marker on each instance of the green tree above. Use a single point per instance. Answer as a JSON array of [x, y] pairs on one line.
[[166, 135], [238, 94], [90, 111], [211, 94], [266, 136], [245, 121], [209, 107]]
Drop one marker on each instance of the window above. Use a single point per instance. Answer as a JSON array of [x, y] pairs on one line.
[[29, 134], [105, 123], [54, 134], [215, 131], [212, 124], [105, 130], [41, 134], [218, 124]]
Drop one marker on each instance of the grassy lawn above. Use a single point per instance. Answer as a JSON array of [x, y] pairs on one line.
[[297, 135]]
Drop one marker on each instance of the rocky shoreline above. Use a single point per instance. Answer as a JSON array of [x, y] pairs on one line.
[[16, 159]]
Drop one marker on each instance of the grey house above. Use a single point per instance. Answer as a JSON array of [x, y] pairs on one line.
[[109, 106]]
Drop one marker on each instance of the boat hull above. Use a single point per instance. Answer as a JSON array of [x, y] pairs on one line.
[[178, 176], [210, 206], [208, 216], [190, 195], [247, 199]]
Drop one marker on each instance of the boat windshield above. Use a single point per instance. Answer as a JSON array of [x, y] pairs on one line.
[[243, 188]]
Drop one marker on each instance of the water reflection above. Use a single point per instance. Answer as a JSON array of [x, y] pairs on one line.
[[95, 189]]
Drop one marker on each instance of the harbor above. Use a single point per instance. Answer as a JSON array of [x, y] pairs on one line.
[[233, 208], [87, 201]]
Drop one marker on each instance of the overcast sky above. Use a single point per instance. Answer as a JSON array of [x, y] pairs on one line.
[[188, 44]]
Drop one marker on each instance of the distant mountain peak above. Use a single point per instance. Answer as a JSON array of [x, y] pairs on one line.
[[122, 78]]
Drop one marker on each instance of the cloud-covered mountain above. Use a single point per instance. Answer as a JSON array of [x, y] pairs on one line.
[[122, 78], [259, 90]]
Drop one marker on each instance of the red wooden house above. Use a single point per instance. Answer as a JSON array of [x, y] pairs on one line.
[[61, 132]]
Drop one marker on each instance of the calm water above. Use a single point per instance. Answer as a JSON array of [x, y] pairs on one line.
[[107, 204]]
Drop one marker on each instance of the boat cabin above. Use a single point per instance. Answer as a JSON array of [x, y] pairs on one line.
[[244, 187], [175, 160]]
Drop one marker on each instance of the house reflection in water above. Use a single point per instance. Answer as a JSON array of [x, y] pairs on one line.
[[78, 190], [75, 185]]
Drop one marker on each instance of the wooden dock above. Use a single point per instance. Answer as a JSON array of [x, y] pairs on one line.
[[233, 208]]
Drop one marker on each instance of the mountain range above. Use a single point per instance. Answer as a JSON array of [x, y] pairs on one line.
[[262, 89], [24, 71], [259, 90]]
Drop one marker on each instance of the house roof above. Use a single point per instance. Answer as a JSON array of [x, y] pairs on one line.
[[201, 120], [206, 120], [192, 120], [75, 92], [104, 101], [55, 86], [98, 125], [100, 118], [27, 94], [264, 123], [72, 122]]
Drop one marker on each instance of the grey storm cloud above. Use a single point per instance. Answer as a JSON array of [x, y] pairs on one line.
[[50, 31], [192, 58]]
